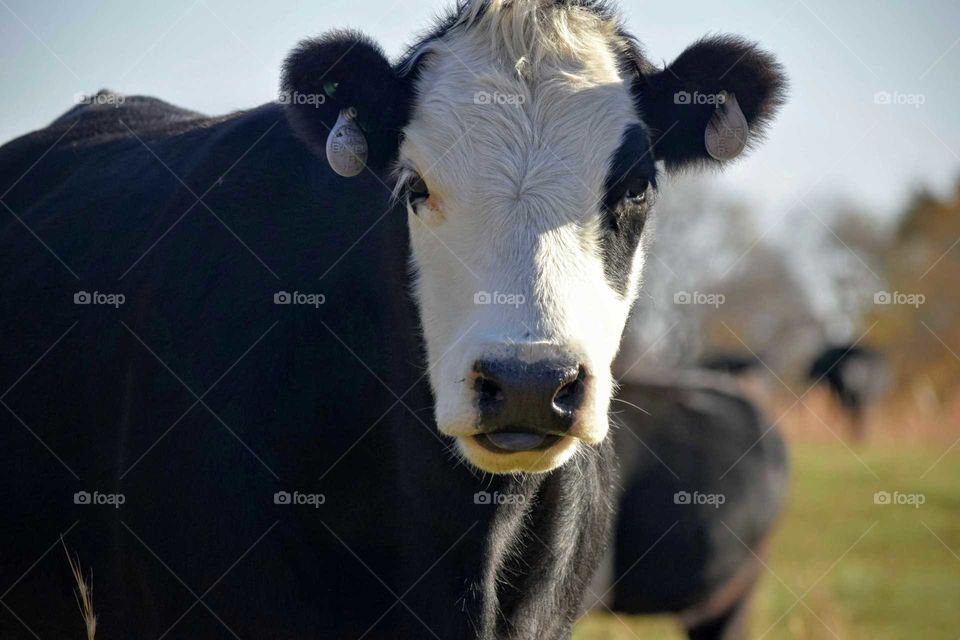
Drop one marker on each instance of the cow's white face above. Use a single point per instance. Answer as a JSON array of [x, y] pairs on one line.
[[527, 171], [523, 278]]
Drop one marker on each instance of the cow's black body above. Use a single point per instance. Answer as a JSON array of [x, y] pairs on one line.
[[697, 560], [295, 386]]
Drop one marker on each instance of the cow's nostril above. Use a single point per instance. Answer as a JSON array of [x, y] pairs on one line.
[[569, 397], [488, 391]]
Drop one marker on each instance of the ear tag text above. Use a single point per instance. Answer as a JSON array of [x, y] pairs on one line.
[[346, 145], [727, 132]]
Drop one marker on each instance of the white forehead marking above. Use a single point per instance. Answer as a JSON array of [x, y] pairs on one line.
[[518, 101]]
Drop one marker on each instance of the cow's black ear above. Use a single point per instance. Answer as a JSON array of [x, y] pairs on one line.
[[338, 71], [698, 90]]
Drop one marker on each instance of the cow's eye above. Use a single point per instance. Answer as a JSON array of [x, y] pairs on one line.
[[417, 191], [636, 193]]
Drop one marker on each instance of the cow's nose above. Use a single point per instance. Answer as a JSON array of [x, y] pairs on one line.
[[527, 405]]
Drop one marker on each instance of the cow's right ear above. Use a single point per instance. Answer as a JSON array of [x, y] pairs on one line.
[[340, 71]]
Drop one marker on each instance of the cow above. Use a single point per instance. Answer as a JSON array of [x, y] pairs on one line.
[[704, 481], [855, 377], [339, 365]]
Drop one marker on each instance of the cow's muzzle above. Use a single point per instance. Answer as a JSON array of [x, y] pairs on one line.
[[527, 406]]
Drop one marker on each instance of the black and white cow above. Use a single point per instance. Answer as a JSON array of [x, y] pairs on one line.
[[704, 480], [369, 406]]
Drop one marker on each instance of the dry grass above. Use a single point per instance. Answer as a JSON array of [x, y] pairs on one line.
[[916, 417], [84, 594]]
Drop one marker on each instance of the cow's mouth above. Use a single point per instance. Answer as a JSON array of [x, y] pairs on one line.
[[515, 451], [516, 441]]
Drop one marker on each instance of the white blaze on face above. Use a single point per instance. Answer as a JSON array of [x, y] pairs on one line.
[[506, 250]]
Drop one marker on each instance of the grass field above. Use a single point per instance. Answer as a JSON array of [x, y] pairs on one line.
[[843, 566]]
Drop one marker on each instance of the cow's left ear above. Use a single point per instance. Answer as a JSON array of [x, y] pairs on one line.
[[713, 102], [344, 72]]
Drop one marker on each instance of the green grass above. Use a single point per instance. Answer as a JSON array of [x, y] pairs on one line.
[[864, 570]]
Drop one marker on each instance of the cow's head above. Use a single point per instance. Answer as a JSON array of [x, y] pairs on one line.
[[524, 138]]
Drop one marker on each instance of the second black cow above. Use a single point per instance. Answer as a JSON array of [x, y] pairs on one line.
[[704, 480]]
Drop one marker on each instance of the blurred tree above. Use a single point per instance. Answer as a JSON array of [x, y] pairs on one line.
[[919, 324], [765, 310], [837, 252], [836, 272]]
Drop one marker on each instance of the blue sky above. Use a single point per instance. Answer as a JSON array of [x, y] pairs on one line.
[[832, 142]]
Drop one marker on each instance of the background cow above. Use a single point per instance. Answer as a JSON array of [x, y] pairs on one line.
[[220, 391], [855, 376], [704, 480]]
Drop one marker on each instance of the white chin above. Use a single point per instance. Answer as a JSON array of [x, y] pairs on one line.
[[537, 461]]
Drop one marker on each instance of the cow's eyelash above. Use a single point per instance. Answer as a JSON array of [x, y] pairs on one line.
[[404, 174]]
